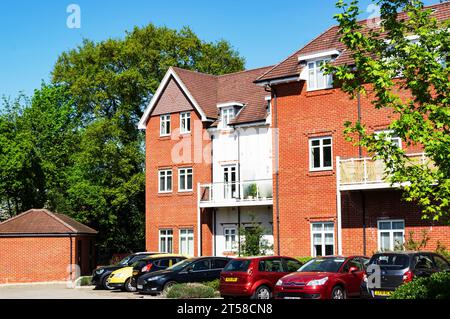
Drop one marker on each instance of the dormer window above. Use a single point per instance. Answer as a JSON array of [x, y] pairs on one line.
[[317, 79], [227, 115]]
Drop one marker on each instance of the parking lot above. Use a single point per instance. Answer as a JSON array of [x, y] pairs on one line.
[[61, 291]]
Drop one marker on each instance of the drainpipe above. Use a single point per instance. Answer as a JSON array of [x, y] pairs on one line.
[[239, 231], [363, 195], [71, 256], [277, 202]]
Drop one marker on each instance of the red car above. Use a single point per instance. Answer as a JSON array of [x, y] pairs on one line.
[[255, 277], [324, 278]]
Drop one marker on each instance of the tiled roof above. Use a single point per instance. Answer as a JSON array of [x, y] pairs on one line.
[[329, 40], [43, 222], [210, 90]]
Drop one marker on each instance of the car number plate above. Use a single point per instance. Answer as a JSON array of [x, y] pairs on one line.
[[231, 279], [382, 293], [140, 287]]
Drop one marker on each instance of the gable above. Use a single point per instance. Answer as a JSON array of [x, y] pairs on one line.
[[172, 100]]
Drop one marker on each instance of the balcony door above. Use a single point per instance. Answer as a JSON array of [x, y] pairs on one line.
[[230, 181]]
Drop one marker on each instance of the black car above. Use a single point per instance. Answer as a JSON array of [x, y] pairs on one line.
[[152, 264], [199, 269], [100, 274], [397, 268]]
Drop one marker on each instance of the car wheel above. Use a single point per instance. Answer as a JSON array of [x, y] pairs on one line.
[[338, 293], [263, 292], [105, 284], [169, 284], [128, 286]]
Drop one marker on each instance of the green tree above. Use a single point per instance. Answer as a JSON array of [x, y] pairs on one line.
[[404, 64], [112, 82], [254, 243]]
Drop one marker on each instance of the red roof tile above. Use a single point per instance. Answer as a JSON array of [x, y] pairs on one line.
[[330, 40], [43, 222], [210, 90]]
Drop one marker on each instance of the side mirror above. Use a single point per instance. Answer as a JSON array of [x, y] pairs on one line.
[[353, 270]]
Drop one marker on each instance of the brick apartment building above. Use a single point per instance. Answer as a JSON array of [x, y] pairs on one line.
[[279, 127]]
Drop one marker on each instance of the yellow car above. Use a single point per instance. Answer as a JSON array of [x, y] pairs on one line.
[[126, 278]]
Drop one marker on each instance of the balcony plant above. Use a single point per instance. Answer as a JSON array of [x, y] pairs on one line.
[[252, 191]]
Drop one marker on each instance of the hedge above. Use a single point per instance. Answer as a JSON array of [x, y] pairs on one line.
[[437, 286], [191, 291]]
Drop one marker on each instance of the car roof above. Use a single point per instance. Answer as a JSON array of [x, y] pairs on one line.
[[163, 256], [404, 252], [261, 257]]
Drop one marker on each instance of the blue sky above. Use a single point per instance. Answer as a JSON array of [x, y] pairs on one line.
[[34, 33]]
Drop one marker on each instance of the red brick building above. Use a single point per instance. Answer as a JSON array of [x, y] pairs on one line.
[[327, 197], [331, 198], [41, 246]]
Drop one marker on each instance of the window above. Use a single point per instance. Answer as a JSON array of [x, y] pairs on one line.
[[164, 125], [391, 235], [165, 181], [185, 179], [320, 150], [219, 263], [166, 241], [292, 265], [390, 136], [322, 239], [441, 263], [271, 265], [354, 262], [185, 122], [187, 242], [230, 238], [201, 265], [316, 78], [227, 115]]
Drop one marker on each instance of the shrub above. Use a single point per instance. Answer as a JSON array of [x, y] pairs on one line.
[[213, 284], [304, 260], [437, 286], [191, 291], [84, 281]]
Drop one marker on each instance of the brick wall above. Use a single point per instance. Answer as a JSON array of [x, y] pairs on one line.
[[176, 210], [305, 196]]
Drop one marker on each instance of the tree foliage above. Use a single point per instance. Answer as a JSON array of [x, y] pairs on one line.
[[75, 148], [405, 63]]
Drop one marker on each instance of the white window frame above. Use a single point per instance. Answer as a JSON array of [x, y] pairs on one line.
[[227, 114], [184, 171], [316, 70], [322, 232], [230, 246], [188, 234], [166, 175], [389, 136], [186, 116], [390, 231], [166, 120], [321, 147], [165, 237]]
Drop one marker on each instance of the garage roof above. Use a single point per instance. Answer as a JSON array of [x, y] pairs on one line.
[[43, 222]]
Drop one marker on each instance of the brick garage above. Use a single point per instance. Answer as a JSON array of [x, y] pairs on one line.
[[40, 246]]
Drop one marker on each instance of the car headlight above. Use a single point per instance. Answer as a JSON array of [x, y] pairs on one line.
[[318, 282], [279, 283], [154, 278], [100, 271]]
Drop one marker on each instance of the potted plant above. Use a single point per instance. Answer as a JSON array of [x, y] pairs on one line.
[[252, 191]]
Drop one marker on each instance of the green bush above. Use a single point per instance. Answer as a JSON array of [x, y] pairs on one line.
[[84, 281], [213, 284], [191, 291], [304, 260], [437, 286]]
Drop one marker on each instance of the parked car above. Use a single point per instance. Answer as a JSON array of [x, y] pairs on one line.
[[199, 269], [397, 268], [255, 277], [152, 264], [333, 277], [101, 274]]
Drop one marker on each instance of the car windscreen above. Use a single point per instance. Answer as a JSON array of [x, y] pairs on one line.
[[125, 261], [239, 265], [322, 265], [139, 264], [180, 265], [390, 261]]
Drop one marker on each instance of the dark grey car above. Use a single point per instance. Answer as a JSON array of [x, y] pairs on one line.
[[397, 268]]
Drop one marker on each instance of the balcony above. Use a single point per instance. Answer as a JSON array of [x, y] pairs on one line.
[[248, 193], [365, 173]]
